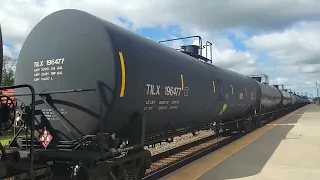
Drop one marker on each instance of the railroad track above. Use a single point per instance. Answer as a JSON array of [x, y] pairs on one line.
[[171, 160]]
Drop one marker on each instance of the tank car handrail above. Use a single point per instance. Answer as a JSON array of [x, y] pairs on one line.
[[32, 121], [188, 37], [208, 43], [66, 91], [288, 90], [45, 95], [281, 86], [59, 92], [261, 75]]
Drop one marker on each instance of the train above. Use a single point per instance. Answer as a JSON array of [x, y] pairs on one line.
[[92, 95]]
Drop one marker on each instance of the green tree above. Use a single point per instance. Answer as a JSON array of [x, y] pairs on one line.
[[8, 71]]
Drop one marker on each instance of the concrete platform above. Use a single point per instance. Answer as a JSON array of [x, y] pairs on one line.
[[286, 149]]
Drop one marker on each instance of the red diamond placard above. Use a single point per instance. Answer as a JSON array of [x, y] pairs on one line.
[[45, 137]]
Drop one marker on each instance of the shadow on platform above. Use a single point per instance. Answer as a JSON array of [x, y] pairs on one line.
[[250, 160]]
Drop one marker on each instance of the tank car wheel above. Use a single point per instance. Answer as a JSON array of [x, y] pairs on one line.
[[246, 125], [142, 171], [258, 122], [80, 173], [221, 131]]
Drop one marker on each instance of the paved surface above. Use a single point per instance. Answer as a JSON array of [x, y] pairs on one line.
[[286, 149]]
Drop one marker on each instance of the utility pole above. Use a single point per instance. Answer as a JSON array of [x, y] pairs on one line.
[[317, 89], [317, 98]]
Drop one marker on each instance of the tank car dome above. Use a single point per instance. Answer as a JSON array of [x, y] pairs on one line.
[[68, 50]]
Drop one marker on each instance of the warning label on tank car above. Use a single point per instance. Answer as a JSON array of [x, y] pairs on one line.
[[153, 91], [161, 105], [47, 70], [51, 116]]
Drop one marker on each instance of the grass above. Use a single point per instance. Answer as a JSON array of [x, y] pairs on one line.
[[5, 140]]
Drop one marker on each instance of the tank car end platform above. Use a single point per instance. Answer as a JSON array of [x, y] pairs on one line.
[[287, 148], [14, 165]]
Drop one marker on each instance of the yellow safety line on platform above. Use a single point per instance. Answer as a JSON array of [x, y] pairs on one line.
[[203, 165]]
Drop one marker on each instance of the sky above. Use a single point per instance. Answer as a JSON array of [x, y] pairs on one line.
[[279, 38]]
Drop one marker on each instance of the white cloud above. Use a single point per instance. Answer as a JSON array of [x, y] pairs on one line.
[[19, 16], [209, 14], [279, 80], [296, 51], [7, 51], [298, 44]]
